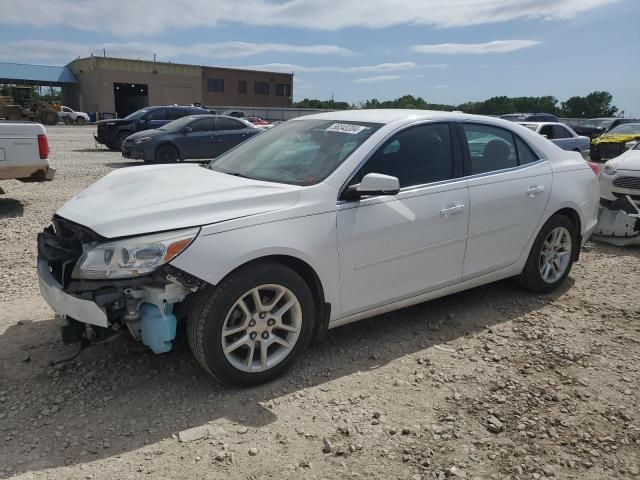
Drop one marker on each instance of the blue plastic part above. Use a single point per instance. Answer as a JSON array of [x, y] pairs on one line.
[[158, 330]]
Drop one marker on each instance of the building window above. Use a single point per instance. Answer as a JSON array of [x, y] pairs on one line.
[[283, 90], [261, 88], [242, 86], [215, 85]]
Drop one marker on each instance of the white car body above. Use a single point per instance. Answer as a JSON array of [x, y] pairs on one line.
[[562, 135], [72, 115], [22, 156], [369, 256], [621, 176]]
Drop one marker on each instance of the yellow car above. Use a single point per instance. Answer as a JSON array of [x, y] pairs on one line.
[[612, 143]]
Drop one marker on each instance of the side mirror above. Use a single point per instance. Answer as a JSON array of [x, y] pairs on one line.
[[373, 184], [187, 130]]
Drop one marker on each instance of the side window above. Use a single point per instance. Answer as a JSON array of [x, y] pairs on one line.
[[242, 86], [490, 148], [202, 125], [415, 156], [157, 114], [229, 124], [547, 131], [525, 154], [561, 132], [175, 113]]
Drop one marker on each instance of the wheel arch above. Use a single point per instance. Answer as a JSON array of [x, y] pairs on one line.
[[311, 278], [165, 143], [574, 217]]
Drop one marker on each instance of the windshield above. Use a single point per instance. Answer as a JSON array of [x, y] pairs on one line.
[[600, 123], [136, 114], [301, 152], [178, 124], [629, 128]]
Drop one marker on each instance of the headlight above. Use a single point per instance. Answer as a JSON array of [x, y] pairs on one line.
[[132, 257], [609, 169], [141, 140]]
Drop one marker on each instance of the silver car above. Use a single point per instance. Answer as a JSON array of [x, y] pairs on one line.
[[561, 135]]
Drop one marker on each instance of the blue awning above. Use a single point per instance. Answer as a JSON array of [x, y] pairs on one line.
[[35, 74]]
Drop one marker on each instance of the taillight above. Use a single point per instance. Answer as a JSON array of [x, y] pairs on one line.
[[595, 167], [43, 146]]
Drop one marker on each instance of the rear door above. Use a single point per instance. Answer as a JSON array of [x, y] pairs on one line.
[[230, 132], [509, 187], [198, 142], [563, 137]]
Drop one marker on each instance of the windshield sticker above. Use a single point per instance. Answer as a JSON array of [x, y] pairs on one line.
[[346, 128]]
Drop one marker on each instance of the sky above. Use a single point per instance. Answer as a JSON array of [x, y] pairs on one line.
[[446, 51]]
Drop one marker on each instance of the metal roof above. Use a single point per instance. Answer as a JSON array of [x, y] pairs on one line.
[[35, 74]]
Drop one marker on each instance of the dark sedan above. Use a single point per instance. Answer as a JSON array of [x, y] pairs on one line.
[[192, 137]]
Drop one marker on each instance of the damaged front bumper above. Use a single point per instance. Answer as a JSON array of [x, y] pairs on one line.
[[619, 222], [142, 306]]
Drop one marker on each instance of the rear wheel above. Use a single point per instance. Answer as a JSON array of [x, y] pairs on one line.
[[49, 117], [81, 120], [252, 326], [167, 154], [551, 257]]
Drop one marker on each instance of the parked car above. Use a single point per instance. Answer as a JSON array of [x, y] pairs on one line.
[[590, 131], [24, 152], [324, 220], [621, 176], [609, 123], [612, 143], [529, 117], [195, 136], [234, 113], [561, 135], [68, 115], [259, 122], [112, 133]]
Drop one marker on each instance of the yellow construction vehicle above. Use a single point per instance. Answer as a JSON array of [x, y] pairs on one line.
[[20, 106]]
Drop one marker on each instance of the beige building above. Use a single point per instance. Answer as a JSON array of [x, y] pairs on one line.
[[115, 86]]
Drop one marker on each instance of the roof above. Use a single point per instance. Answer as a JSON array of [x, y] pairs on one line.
[[34, 74], [388, 115]]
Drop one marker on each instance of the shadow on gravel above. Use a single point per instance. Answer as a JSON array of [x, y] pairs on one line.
[[94, 150], [125, 164], [11, 208], [113, 400]]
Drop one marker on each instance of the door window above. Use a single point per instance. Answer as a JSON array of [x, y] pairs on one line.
[[547, 131], [157, 114], [415, 156], [490, 148], [202, 125], [561, 132], [525, 153], [230, 124]]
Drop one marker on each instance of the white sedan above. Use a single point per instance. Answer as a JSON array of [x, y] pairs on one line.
[[325, 220], [621, 176], [562, 135]]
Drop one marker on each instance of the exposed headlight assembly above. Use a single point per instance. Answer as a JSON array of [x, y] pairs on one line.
[[140, 140], [132, 257], [609, 169]]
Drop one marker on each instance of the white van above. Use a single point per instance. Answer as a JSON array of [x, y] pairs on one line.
[[24, 152]]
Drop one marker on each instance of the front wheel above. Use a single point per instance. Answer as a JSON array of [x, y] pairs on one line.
[[81, 120], [252, 326], [551, 256], [167, 154]]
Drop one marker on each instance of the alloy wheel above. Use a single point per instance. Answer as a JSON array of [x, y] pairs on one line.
[[555, 255], [261, 328]]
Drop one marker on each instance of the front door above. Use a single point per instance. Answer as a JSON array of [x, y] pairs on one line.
[[395, 247], [230, 132], [196, 143], [509, 187]]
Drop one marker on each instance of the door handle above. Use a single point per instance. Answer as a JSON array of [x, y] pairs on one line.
[[534, 190], [451, 210]]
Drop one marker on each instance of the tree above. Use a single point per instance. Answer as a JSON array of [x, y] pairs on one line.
[[327, 104], [596, 104]]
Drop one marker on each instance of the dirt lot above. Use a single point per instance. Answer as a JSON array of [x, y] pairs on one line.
[[493, 383]]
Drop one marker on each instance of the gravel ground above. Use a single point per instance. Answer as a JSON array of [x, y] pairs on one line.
[[492, 383]]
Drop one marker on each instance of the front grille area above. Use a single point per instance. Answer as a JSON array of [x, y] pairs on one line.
[[610, 150], [627, 182], [126, 150], [60, 244]]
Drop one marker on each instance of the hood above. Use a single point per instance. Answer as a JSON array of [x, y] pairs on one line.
[[147, 199], [115, 121], [146, 133], [616, 138], [630, 160]]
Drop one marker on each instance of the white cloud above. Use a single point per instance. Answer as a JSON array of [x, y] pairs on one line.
[[151, 17], [379, 78], [63, 52], [497, 46], [381, 67]]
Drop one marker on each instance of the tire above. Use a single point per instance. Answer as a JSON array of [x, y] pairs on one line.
[[532, 277], [49, 117], [214, 309], [122, 136], [167, 154], [81, 120]]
